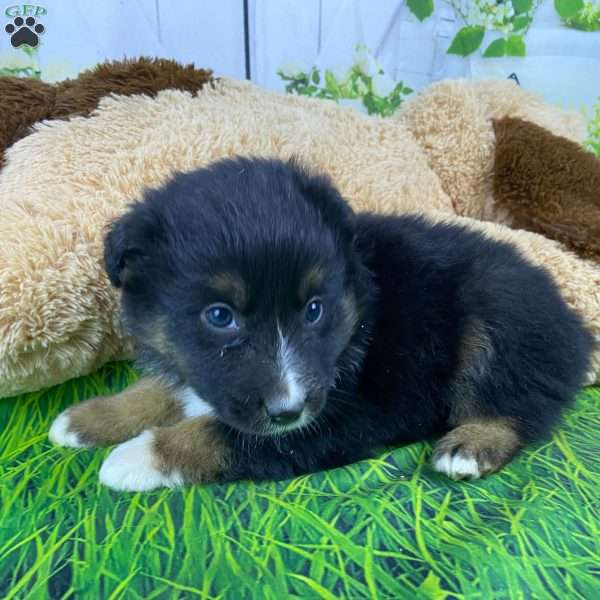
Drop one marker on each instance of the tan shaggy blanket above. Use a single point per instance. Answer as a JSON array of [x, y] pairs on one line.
[[61, 184]]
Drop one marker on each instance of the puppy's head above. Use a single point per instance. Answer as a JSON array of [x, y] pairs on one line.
[[241, 280]]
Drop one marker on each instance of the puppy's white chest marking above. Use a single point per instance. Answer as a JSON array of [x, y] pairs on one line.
[[192, 404]]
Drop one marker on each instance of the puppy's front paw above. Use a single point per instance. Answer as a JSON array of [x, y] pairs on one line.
[[459, 465], [134, 467], [62, 433], [476, 449]]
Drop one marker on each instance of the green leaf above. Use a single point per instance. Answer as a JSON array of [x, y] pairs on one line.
[[522, 6], [330, 80], [420, 8], [495, 49], [568, 8], [512, 46], [521, 22], [331, 84], [316, 77], [368, 103], [467, 40], [515, 46]]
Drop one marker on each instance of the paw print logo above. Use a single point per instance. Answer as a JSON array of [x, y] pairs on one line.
[[24, 31]]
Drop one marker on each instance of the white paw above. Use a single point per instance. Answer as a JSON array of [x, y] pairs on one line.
[[457, 466], [61, 434], [131, 467]]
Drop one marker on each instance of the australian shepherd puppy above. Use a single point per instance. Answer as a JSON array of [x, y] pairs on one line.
[[280, 333]]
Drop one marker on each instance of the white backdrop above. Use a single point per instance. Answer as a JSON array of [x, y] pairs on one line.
[[561, 63]]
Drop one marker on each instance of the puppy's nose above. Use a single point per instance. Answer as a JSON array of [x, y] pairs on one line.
[[285, 414]]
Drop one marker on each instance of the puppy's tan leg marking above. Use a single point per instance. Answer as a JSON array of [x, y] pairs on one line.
[[477, 445], [192, 451], [104, 421], [477, 448], [475, 354]]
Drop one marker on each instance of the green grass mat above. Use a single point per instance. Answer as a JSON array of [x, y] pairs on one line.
[[386, 528]]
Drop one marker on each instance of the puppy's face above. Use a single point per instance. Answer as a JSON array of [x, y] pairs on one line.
[[241, 281], [262, 347]]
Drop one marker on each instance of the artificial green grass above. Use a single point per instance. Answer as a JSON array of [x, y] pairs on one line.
[[386, 528]]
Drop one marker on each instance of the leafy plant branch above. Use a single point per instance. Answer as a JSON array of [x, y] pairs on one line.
[[364, 83]]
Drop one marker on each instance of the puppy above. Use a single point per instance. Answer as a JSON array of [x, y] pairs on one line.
[[281, 334]]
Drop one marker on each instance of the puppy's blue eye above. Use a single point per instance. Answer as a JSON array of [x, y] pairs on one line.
[[220, 316], [314, 310]]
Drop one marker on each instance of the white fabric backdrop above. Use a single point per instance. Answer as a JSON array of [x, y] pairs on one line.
[[561, 63]]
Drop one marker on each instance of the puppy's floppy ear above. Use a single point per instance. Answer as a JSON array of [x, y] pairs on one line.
[[118, 252], [128, 243]]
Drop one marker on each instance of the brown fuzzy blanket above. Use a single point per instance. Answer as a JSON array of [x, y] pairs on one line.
[[485, 154]]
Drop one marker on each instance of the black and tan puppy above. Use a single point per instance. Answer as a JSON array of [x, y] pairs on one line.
[[281, 334]]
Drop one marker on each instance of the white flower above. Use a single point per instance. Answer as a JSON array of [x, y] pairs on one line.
[[474, 16], [364, 60], [383, 85], [505, 12]]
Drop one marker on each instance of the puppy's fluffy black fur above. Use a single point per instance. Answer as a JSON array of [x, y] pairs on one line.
[[423, 328]]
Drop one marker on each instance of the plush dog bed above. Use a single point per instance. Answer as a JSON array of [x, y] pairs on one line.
[[69, 176]]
